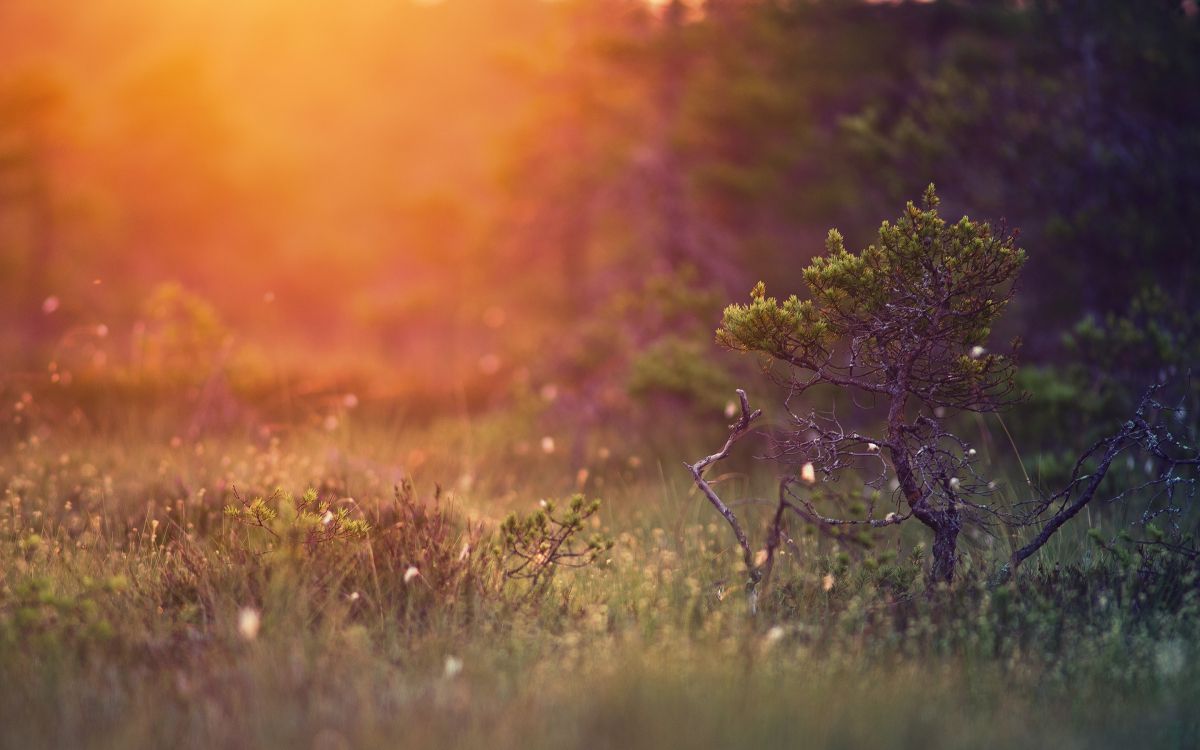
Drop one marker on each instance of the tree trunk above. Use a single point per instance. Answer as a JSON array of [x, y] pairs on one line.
[[945, 523], [945, 546]]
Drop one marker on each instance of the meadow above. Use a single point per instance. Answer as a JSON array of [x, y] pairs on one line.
[[137, 611], [365, 370]]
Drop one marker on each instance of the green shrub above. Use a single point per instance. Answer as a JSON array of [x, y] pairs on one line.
[[532, 547]]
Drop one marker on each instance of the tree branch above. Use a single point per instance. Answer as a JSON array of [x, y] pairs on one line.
[[737, 430]]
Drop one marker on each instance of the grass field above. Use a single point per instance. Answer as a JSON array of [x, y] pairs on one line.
[[136, 612], [630, 374]]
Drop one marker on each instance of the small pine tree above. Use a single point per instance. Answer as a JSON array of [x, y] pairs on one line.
[[903, 323]]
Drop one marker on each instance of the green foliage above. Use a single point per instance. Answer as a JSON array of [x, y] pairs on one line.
[[292, 524], [925, 280], [39, 611], [765, 325], [1152, 339], [679, 367], [1115, 358], [981, 99], [182, 336], [532, 547]]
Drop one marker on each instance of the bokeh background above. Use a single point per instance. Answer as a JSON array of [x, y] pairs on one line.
[[244, 211]]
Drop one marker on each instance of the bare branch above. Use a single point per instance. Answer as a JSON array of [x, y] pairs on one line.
[[1082, 488], [737, 431]]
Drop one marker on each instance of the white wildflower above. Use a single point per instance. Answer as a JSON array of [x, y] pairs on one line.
[[249, 621]]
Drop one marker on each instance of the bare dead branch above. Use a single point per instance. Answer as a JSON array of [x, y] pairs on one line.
[[1139, 432], [737, 431]]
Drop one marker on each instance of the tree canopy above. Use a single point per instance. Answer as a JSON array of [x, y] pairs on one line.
[[908, 315]]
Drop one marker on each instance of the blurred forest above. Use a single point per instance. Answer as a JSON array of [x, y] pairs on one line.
[[469, 201]]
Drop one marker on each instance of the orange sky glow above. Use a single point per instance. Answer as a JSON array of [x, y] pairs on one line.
[[316, 171]]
